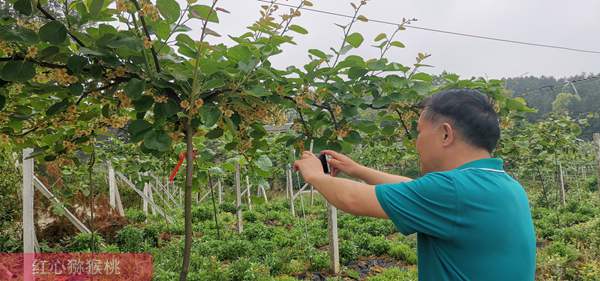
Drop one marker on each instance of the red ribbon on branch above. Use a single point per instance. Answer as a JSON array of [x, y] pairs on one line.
[[176, 169]]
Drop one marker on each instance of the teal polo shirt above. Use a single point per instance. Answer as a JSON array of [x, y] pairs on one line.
[[472, 223]]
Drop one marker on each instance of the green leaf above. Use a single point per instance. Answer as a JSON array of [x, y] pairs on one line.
[[58, 107], [362, 18], [204, 12], [239, 53], [357, 72], [165, 110], [138, 128], [216, 171], [258, 91], [318, 53], [75, 89], [298, 29], [210, 115], [24, 7], [49, 52], [18, 71], [355, 39], [76, 63], [162, 29], [264, 163], [53, 32], [58, 209], [18, 34], [380, 37], [519, 104], [353, 138], [366, 126], [397, 44], [381, 101], [216, 133], [2, 102], [130, 42], [157, 140], [143, 104], [169, 9], [135, 88], [422, 76], [96, 7]]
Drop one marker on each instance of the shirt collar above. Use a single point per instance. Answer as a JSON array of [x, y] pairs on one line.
[[489, 163]]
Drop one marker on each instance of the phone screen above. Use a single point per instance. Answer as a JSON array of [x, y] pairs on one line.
[[324, 163]]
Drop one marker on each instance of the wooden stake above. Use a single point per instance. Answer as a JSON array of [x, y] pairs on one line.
[[597, 141], [562, 185], [145, 207], [141, 194], [48, 194], [332, 229], [220, 191], [28, 197], [248, 194], [238, 199], [28, 223], [115, 197], [291, 189]]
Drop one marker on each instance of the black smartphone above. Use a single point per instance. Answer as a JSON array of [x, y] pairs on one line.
[[324, 163]]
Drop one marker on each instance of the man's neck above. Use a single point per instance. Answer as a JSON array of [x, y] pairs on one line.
[[462, 157]]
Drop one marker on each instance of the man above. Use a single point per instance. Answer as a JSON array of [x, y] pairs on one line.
[[471, 218]]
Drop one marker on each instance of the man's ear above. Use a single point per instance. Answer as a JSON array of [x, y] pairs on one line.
[[448, 134]]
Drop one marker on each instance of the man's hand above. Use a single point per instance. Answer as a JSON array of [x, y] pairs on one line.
[[342, 163], [309, 166]]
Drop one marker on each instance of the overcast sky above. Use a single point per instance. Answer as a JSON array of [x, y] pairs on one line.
[[574, 24]]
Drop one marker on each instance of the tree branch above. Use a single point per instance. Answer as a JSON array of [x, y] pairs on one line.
[[302, 120], [117, 81], [145, 28], [406, 130], [40, 63], [51, 17]]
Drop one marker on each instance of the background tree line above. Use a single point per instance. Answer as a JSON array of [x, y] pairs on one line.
[[547, 94]]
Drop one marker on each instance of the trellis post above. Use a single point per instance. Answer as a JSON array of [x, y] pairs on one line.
[[238, 199], [597, 141], [28, 223]]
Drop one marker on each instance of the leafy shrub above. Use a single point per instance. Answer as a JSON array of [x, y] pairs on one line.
[[263, 248], [135, 215], [245, 270], [403, 252], [294, 266], [563, 249], [82, 242], [212, 270], [592, 184], [234, 249], [228, 207], [395, 274], [202, 213], [110, 248], [348, 251], [250, 216], [152, 235], [254, 231], [130, 239], [378, 245], [319, 261]]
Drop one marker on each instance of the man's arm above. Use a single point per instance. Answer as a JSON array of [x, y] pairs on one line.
[[374, 177], [349, 196], [343, 163]]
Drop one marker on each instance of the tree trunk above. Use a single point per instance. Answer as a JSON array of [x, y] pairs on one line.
[[189, 135]]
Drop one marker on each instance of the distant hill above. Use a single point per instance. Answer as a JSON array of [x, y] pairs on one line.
[[540, 92]]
